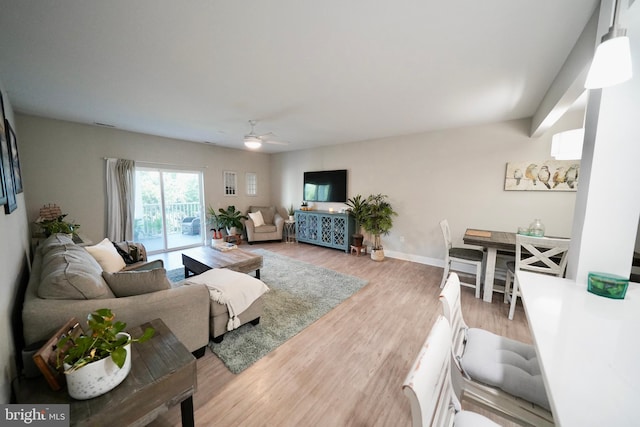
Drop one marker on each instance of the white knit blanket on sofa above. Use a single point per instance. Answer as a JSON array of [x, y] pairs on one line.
[[236, 290]]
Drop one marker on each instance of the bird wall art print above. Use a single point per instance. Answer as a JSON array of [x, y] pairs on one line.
[[548, 175]]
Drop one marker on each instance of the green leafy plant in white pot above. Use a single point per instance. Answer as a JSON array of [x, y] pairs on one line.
[[231, 219], [96, 362], [378, 220]]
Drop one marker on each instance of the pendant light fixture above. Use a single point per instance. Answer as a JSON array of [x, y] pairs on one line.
[[252, 142], [612, 61]]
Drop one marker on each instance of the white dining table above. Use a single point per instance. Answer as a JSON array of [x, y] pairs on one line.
[[588, 349]]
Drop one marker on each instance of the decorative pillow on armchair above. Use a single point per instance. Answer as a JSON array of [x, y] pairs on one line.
[[129, 283], [257, 219], [268, 213]]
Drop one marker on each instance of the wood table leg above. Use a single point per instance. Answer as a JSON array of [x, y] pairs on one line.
[[489, 274], [186, 410]]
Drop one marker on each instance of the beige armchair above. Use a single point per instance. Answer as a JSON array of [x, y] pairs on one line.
[[270, 228]]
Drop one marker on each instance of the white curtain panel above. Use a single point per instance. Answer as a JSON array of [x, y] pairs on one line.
[[120, 199]]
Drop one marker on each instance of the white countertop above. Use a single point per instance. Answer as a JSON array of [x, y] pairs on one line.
[[589, 350]]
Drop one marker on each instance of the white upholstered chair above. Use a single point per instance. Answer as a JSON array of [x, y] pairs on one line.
[[473, 257], [497, 373], [429, 388], [536, 254]]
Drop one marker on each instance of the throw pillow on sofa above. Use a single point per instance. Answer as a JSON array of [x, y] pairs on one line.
[[129, 283], [69, 272], [107, 256]]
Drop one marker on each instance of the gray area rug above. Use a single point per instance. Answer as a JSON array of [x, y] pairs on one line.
[[300, 293]]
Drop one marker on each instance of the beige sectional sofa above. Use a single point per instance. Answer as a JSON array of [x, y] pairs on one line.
[[66, 281]]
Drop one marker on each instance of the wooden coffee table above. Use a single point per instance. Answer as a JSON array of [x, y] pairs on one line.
[[203, 258], [163, 373]]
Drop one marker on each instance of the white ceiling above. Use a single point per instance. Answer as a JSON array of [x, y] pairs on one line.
[[312, 72]]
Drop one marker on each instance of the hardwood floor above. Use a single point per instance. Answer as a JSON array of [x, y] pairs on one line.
[[347, 368]]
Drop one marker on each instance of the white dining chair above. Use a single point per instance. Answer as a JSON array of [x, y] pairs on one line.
[[469, 256], [536, 254], [500, 374], [429, 388]]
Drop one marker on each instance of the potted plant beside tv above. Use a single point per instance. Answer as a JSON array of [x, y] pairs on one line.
[[358, 208], [378, 220], [96, 362], [231, 219]]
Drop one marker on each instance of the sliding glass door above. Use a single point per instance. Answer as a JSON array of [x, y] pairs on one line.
[[168, 213]]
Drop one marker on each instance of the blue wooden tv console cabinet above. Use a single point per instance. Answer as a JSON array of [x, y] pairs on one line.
[[325, 228]]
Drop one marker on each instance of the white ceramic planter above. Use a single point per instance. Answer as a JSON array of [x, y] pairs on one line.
[[98, 377]]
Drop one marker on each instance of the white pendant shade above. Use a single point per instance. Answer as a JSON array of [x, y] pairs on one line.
[[567, 145], [611, 63], [252, 142]]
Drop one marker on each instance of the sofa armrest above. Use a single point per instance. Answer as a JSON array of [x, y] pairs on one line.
[[250, 228], [184, 309], [144, 265], [279, 221]]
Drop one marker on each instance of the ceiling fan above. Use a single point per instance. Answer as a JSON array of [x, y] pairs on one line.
[[254, 141]]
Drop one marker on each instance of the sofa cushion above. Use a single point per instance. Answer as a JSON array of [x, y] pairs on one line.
[[107, 256], [266, 229], [257, 219], [129, 283], [268, 213], [69, 272], [53, 241]]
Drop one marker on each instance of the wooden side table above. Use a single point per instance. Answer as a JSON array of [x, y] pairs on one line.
[[234, 238], [163, 373], [358, 250]]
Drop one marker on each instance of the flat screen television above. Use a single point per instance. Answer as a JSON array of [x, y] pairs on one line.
[[325, 186]]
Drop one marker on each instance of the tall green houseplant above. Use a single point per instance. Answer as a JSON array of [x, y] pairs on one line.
[[358, 207], [378, 220]]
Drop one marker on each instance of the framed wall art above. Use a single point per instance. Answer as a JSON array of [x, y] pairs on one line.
[[548, 175], [3, 187], [8, 189], [10, 203], [15, 158], [230, 180]]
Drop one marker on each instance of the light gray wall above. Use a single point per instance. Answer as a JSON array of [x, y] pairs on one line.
[[64, 164], [14, 266], [455, 174]]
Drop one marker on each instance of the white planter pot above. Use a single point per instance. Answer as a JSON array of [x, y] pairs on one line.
[[377, 254], [216, 242], [97, 378], [232, 231]]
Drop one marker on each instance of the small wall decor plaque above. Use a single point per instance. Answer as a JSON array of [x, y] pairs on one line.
[[548, 175]]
